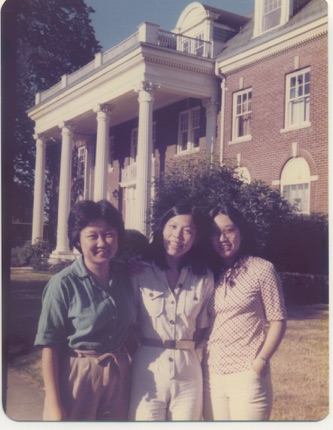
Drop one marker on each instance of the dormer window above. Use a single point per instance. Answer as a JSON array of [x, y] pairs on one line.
[[270, 14]]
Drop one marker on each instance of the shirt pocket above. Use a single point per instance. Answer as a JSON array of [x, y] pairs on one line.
[[192, 303], [152, 302]]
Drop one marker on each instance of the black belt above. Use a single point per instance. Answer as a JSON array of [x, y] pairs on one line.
[[169, 343]]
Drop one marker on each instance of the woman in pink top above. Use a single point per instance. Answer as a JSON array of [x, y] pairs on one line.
[[248, 294]]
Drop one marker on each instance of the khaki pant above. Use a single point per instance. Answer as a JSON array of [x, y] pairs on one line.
[[95, 387], [243, 396]]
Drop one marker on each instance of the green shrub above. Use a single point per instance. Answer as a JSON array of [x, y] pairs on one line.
[[293, 242], [204, 186], [299, 243], [304, 289], [30, 254]]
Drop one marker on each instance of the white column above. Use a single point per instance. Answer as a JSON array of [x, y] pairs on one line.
[[62, 250], [211, 123], [39, 189], [102, 150], [146, 92]]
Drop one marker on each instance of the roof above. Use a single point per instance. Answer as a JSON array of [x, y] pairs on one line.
[[228, 18], [313, 10]]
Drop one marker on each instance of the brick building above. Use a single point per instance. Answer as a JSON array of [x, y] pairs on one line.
[[251, 91]]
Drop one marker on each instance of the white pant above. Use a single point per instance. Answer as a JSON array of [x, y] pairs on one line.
[[242, 396], [157, 393]]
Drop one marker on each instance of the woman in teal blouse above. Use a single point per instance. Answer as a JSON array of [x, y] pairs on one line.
[[86, 314]]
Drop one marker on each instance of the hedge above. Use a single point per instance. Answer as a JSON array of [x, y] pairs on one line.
[[304, 289]]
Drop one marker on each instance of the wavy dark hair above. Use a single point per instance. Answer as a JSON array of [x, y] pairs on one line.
[[86, 211], [247, 246], [195, 257]]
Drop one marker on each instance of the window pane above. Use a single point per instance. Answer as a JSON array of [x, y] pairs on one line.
[[299, 98], [271, 14], [196, 118], [196, 138], [243, 112], [297, 195], [184, 140]]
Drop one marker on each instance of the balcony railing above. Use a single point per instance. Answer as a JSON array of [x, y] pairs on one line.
[[148, 33], [179, 42]]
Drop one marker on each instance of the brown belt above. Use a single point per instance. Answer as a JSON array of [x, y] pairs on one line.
[[169, 344]]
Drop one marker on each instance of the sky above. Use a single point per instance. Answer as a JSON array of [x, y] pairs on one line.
[[115, 20]]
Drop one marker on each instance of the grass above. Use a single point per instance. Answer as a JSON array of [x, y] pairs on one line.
[[299, 367]]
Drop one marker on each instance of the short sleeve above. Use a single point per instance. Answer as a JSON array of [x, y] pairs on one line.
[[53, 318], [272, 293]]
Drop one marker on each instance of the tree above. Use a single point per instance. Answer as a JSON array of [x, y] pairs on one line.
[[42, 41]]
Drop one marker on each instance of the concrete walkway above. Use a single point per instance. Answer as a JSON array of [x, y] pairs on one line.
[[24, 400]]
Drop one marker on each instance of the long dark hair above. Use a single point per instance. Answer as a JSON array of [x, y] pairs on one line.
[[247, 246], [195, 257], [87, 211]]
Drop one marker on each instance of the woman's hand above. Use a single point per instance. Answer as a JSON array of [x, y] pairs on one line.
[[260, 366]]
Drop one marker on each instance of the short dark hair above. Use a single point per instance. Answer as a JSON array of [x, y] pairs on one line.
[[86, 211], [195, 256]]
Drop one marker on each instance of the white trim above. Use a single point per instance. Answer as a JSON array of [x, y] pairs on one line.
[[240, 93], [304, 99], [296, 127], [274, 46], [247, 138]]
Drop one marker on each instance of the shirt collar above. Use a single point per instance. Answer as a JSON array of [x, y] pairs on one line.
[[80, 270]]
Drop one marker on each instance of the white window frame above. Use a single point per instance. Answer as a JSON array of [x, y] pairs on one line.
[[81, 161], [295, 177], [134, 145], [298, 97], [242, 107], [243, 174], [260, 15], [111, 151], [188, 141]]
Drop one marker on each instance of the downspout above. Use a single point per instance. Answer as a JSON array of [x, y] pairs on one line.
[[223, 90]]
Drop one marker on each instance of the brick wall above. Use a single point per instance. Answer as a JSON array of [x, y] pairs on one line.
[[269, 150]]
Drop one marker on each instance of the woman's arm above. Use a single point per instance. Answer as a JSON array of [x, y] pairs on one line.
[[53, 410], [274, 337]]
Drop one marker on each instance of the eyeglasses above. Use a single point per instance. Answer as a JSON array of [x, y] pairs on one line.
[[228, 233]]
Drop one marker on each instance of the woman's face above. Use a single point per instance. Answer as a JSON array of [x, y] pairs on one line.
[[226, 239], [179, 234], [99, 242]]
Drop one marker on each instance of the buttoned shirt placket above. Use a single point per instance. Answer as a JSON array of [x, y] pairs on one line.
[[171, 307]]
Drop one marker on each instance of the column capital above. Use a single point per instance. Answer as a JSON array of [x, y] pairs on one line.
[[67, 124], [210, 102], [105, 108], [148, 88], [39, 136]]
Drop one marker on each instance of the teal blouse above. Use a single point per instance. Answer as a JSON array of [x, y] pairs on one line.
[[78, 313]]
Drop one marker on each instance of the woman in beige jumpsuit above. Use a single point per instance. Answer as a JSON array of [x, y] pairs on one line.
[[172, 293]]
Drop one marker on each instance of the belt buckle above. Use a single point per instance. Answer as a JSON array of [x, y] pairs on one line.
[[170, 343]]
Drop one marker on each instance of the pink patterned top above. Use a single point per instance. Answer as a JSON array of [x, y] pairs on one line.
[[238, 315]]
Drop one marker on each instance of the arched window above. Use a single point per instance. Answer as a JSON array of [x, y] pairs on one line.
[[243, 174], [295, 184]]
